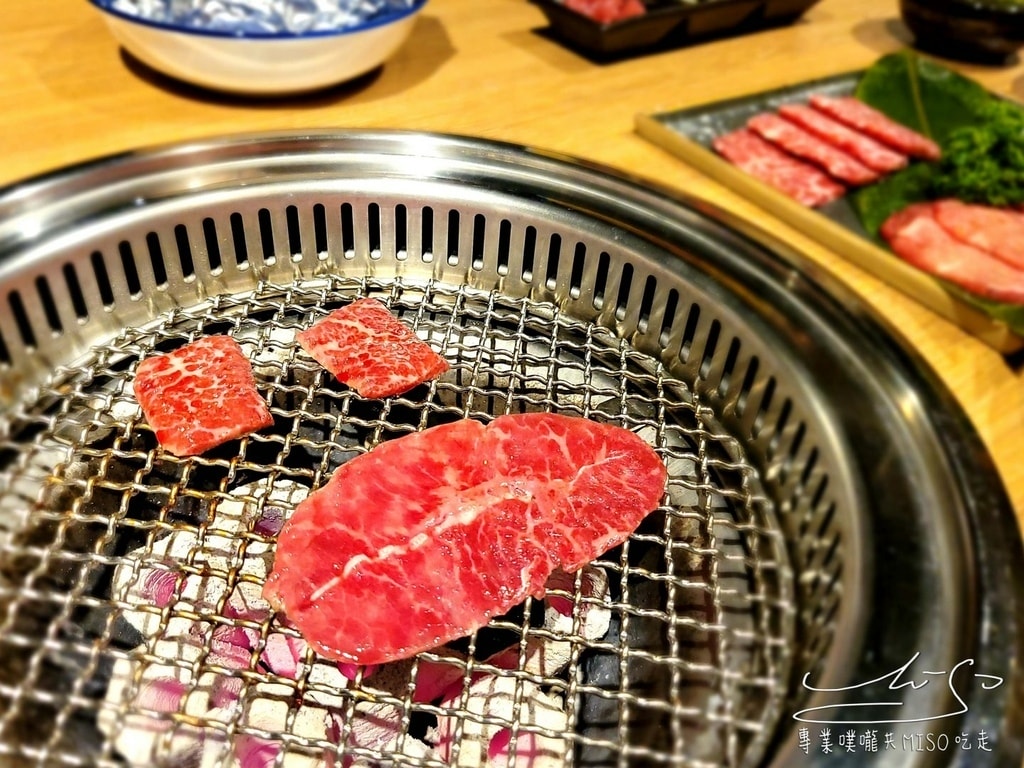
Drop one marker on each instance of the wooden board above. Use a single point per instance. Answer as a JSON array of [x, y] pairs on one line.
[[687, 133]]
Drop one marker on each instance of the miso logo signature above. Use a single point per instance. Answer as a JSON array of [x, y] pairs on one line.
[[900, 678]]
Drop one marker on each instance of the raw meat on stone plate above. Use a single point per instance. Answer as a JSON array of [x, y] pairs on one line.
[[366, 347], [764, 161], [200, 396], [999, 231], [804, 144], [915, 234], [867, 150], [607, 11], [859, 116], [428, 536]]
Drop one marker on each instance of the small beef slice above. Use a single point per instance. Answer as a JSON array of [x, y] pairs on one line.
[[858, 115], [764, 161], [793, 139], [916, 235], [607, 11], [867, 150], [366, 347], [200, 396], [998, 231]]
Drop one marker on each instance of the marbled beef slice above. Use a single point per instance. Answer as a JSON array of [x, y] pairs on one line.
[[426, 537]]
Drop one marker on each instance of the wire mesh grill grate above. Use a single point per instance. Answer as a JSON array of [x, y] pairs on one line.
[[131, 625]]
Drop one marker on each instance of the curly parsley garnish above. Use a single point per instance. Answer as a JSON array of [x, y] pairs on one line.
[[984, 163]]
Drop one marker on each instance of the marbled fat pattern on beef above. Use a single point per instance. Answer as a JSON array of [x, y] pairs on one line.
[[858, 115], [867, 150], [200, 396], [371, 350], [803, 144], [764, 161], [426, 537]]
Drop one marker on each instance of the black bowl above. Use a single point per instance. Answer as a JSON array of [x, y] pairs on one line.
[[972, 30]]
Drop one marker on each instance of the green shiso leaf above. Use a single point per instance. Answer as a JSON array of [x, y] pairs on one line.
[[1011, 315], [923, 95], [877, 202]]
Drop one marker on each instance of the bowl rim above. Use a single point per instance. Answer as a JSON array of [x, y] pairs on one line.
[[1013, 9], [105, 6], [984, 8]]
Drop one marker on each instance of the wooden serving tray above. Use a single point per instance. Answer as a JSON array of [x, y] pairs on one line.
[[687, 133]]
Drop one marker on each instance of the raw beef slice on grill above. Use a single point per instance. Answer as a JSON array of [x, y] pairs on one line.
[[915, 235], [858, 115], [200, 396], [371, 350], [428, 536], [766, 162], [795, 140], [867, 150]]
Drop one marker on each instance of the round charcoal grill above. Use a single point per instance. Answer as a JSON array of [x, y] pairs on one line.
[[830, 516]]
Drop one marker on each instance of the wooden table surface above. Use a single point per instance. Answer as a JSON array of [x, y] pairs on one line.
[[67, 93]]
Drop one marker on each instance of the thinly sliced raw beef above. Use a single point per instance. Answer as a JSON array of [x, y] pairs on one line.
[[428, 536], [607, 11], [1000, 231], [867, 150], [200, 396], [856, 114], [764, 161], [371, 350], [795, 140], [916, 236]]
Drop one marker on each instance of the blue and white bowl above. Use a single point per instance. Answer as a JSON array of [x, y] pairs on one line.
[[240, 46]]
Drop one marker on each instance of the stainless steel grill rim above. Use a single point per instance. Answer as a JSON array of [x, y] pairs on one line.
[[757, 356]]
